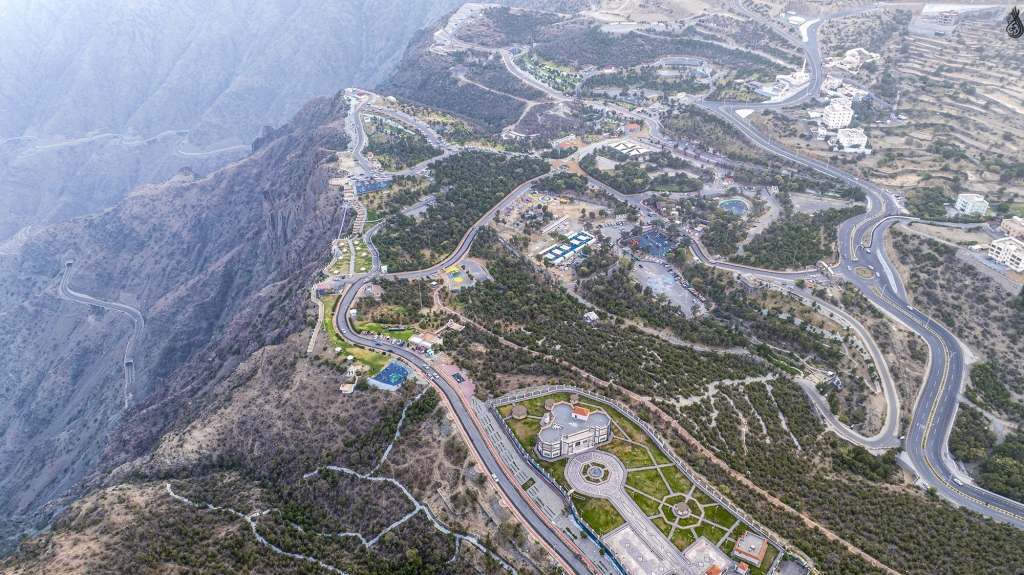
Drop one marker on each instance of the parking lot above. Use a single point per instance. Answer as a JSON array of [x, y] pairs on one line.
[[663, 280]]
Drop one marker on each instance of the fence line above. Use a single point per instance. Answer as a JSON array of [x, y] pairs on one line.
[[561, 491], [539, 391]]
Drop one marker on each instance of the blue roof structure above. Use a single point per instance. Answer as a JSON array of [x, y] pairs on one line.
[[391, 377]]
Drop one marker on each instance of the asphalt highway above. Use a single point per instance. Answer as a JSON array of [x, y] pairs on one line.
[[67, 293], [569, 556], [935, 409]]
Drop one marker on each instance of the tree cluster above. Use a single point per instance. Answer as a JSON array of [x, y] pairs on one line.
[[468, 185]]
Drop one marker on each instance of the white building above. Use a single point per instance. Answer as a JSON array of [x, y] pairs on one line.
[[853, 139], [1013, 227], [971, 204], [566, 430], [1009, 252], [831, 83], [838, 113]]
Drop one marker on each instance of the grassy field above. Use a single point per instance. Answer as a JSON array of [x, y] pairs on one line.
[[631, 430], [649, 482], [403, 335], [646, 504], [716, 514], [364, 260], [599, 514], [632, 455], [371, 359], [535, 406], [683, 538], [713, 533], [662, 525], [676, 480]]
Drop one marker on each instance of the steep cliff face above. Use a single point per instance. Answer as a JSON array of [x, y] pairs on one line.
[[217, 265], [99, 96]]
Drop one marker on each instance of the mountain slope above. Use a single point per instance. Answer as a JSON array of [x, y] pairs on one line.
[[201, 258], [100, 96]]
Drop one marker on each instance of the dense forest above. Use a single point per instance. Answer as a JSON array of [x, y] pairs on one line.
[[398, 149], [468, 185], [560, 182], [708, 132], [525, 307], [647, 77], [799, 183], [620, 294], [797, 241], [584, 47], [628, 177], [734, 306], [502, 27]]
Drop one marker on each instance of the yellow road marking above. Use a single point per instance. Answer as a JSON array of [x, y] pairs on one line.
[[935, 407]]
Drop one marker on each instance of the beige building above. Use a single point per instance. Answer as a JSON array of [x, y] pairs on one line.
[[852, 139], [1013, 227], [838, 113], [971, 204], [566, 430], [1009, 252]]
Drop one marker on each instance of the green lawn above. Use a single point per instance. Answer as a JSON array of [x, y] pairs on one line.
[[675, 499], [364, 260], [505, 410], [687, 521], [695, 509], [683, 538], [649, 482], [702, 497], [632, 431], [676, 480], [708, 530], [666, 510], [535, 406], [632, 455], [556, 469], [371, 359], [525, 431], [662, 525], [717, 514], [645, 503], [371, 327], [766, 563], [599, 514]]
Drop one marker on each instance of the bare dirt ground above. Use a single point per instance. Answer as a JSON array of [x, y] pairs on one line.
[[652, 10], [959, 236], [810, 204]]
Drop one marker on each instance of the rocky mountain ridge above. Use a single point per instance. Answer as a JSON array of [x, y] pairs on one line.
[[217, 265]]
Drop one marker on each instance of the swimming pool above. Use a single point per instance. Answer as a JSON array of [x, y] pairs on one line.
[[735, 205]]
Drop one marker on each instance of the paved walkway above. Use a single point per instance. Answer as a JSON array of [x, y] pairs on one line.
[[639, 545]]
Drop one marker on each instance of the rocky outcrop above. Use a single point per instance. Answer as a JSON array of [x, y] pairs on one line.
[[218, 266]]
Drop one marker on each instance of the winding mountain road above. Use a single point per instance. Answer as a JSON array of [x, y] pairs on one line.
[[139, 322]]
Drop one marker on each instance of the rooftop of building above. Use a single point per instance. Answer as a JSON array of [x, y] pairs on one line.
[[1008, 240], [971, 197], [751, 545], [560, 421]]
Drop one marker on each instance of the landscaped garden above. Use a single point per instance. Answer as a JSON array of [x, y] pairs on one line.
[[662, 491]]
